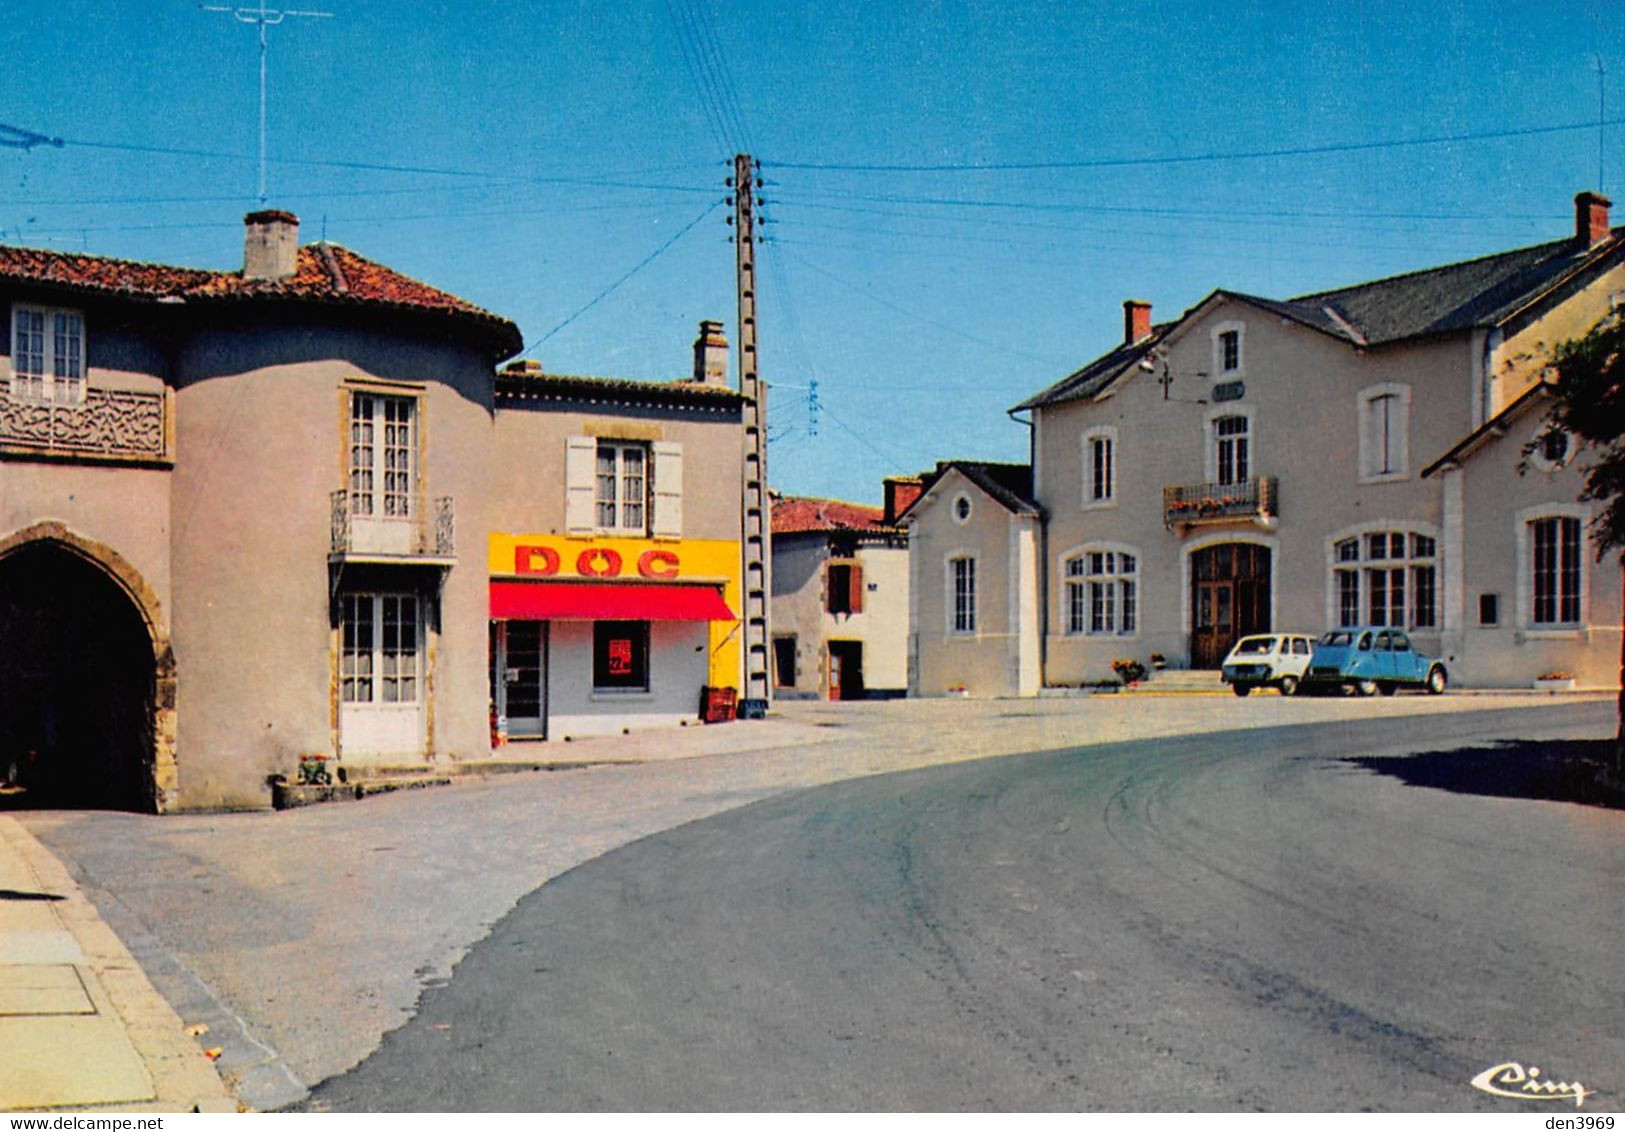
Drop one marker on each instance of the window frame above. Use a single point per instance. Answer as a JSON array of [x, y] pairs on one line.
[[1100, 597], [1364, 571], [1579, 567], [619, 475], [377, 489], [1220, 334], [50, 387], [1213, 442], [1095, 493], [378, 653], [1391, 462], [962, 615]]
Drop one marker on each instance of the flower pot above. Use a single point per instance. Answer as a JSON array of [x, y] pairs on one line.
[[1554, 684]]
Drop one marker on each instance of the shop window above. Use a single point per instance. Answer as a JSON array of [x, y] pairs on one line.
[[620, 656], [47, 354], [843, 588]]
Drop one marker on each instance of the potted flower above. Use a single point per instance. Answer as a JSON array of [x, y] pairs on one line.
[[1129, 670], [1158, 661], [958, 690], [1557, 680]]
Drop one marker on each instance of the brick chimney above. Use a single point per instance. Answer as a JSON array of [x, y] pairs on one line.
[[1590, 218], [901, 492], [711, 355], [270, 245], [1136, 320]]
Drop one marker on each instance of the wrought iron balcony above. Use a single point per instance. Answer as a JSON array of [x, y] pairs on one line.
[[428, 535], [1192, 504], [113, 424]]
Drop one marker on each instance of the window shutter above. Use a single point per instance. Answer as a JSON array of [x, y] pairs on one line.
[[580, 484], [668, 489], [855, 602]]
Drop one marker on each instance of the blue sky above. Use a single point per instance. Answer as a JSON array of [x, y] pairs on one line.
[[530, 156]]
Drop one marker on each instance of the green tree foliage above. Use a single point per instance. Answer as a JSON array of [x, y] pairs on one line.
[[1589, 377]]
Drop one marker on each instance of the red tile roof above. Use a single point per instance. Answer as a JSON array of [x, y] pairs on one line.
[[325, 273], [794, 514]]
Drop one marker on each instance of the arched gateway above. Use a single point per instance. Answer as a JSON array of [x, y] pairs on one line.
[[86, 678]]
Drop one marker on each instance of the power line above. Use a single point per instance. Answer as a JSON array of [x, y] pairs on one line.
[[645, 262], [1194, 158]]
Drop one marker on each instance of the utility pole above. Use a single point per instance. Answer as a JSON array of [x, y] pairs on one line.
[[756, 545], [263, 17]]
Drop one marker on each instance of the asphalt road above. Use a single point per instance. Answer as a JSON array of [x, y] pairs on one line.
[[1236, 921]]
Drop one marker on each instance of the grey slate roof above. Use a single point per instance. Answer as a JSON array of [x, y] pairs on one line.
[[1483, 292], [1010, 485]]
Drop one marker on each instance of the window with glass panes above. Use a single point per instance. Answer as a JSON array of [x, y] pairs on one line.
[[1099, 452], [1231, 455], [1387, 578], [380, 658], [962, 614], [383, 452], [47, 354], [623, 486], [1555, 541], [1102, 593]]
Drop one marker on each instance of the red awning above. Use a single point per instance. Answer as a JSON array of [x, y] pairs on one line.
[[607, 601]]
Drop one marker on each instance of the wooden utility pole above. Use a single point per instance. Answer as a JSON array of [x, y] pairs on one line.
[[756, 529]]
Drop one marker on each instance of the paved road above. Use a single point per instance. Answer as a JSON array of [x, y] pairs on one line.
[[1225, 923], [302, 938]]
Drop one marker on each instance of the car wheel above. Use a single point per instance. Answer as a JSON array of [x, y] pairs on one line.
[[1436, 680], [1288, 685], [1387, 689], [1241, 689], [1366, 687]]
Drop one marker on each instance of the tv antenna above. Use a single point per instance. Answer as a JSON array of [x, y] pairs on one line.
[[1602, 113], [263, 17]]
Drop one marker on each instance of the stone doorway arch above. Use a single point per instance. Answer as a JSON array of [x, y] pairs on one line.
[[87, 677]]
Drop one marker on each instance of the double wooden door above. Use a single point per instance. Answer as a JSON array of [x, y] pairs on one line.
[[1230, 598]]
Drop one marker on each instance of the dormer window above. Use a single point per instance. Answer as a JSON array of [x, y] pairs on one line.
[[47, 354]]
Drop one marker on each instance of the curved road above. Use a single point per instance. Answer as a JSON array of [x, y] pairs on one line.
[[1227, 922]]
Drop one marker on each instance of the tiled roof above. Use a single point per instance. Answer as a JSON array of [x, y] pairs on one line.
[[1482, 292], [325, 273], [794, 514], [534, 384]]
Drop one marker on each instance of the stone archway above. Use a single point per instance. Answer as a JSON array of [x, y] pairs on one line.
[[87, 677]]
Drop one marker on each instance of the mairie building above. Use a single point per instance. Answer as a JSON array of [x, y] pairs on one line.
[[301, 514], [1372, 455]]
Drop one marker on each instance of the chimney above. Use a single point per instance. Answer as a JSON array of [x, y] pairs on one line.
[[270, 245], [711, 355], [901, 492], [1590, 218], [1136, 320]]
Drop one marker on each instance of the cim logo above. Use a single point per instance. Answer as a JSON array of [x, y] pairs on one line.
[[594, 562]]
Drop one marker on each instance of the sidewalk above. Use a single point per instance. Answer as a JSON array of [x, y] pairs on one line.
[[80, 1025]]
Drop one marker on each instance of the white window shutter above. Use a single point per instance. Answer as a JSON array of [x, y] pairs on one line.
[[580, 484], [668, 489]]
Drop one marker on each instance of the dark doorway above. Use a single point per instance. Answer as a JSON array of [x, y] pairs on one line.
[[846, 670], [1230, 597], [76, 686]]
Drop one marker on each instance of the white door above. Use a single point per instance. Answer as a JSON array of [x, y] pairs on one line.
[[381, 686]]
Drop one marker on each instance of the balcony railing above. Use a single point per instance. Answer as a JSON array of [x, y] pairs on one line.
[[1189, 504], [109, 423], [430, 533]]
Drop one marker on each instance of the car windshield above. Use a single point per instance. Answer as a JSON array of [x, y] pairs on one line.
[[1253, 646], [1339, 638]]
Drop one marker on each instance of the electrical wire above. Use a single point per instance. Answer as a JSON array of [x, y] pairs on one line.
[[1196, 158], [605, 293]]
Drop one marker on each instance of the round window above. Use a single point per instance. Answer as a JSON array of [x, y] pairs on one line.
[[962, 508], [1552, 449]]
